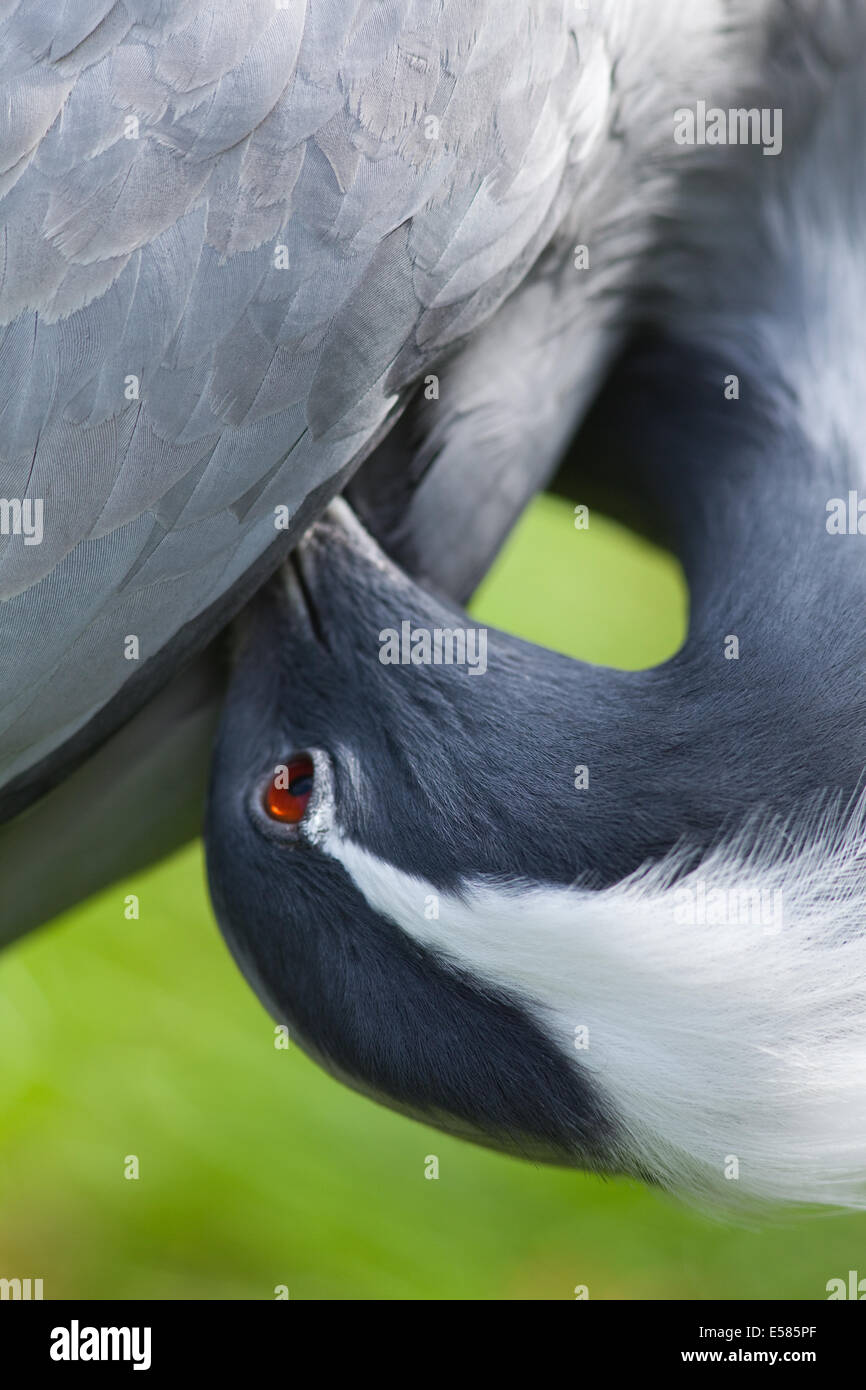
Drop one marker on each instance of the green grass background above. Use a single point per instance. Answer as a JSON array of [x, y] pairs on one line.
[[256, 1170]]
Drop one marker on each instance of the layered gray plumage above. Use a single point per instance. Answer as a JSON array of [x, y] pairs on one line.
[[157, 158], [234, 236]]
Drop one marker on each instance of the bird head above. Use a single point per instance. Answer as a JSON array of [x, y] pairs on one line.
[[380, 757]]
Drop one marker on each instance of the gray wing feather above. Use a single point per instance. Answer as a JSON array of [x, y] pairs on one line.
[[228, 245]]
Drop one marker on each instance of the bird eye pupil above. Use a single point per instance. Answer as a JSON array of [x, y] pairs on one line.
[[289, 790]]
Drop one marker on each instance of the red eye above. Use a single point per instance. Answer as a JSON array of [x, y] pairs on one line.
[[289, 790]]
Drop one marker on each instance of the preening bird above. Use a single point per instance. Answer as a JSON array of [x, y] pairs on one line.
[[256, 255]]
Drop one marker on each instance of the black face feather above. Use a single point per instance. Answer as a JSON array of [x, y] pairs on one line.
[[381, 1013], [372, 1005], [445, 774]]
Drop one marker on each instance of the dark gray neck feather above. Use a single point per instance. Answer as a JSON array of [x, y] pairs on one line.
[[696, 746]]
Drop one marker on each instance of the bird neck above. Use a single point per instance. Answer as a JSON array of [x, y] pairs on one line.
[[764, 707]]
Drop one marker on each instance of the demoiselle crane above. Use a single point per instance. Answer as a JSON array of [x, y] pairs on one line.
[[257, 254]]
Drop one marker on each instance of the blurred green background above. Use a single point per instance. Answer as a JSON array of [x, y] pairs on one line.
[[256, 1170]]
